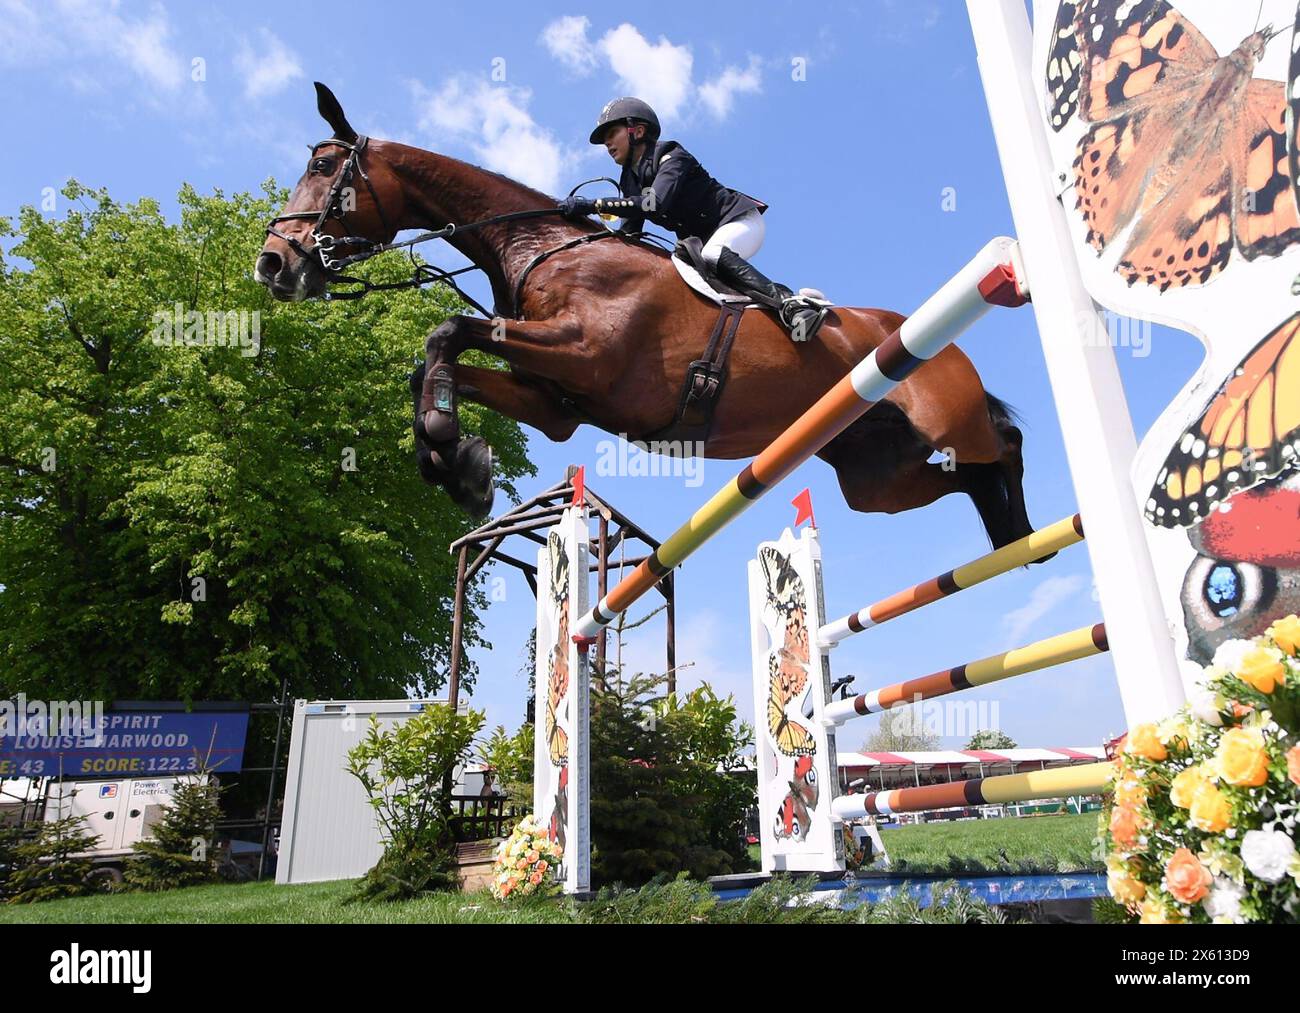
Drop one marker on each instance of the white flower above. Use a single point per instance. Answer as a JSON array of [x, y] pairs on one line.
[[1230, 653], [1267, 854], [1224, 902], [1202, 701]]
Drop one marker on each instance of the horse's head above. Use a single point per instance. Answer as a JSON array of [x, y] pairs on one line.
[[347, 202]]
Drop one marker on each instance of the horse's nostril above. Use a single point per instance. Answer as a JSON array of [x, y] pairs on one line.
[[268, 265]]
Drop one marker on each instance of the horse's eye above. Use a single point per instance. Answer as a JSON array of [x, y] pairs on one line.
[[321, 165]]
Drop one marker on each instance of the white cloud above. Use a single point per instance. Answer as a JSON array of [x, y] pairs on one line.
[[267, 71], [23, 39], [566, 40], [142, 45], [495, 124], [1045, 597], [719, 94], [659, 73]]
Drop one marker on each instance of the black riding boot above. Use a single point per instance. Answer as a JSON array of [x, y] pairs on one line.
[[801, 317]]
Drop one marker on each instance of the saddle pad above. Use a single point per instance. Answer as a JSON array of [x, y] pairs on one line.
[[696, 281]]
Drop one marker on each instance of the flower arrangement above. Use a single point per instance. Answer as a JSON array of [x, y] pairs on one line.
[[1203, 821], [525, 861]]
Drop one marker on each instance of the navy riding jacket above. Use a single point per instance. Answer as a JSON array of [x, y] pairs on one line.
[[687, 200]]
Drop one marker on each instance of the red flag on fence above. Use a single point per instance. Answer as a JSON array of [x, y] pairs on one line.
[[579, 486], [803, 505]]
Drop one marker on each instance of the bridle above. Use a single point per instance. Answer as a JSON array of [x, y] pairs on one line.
[[324, 245]]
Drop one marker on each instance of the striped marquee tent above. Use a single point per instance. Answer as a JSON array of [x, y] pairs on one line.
[[888, 770]]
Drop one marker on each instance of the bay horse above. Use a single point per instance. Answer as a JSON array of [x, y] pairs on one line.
[[603, 332]]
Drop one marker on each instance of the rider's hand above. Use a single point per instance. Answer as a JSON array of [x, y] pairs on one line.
[[577, 207]]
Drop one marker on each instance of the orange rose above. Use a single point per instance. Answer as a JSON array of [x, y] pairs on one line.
[[1124, 826], [1210, 809], [1186, 784], [1241, 759], [1293, 764], [1186, 878], [1286, 634], [1262, 670], [1145, 742], [1130, 793]]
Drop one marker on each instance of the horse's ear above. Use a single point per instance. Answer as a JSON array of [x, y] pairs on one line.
[[328, 106]]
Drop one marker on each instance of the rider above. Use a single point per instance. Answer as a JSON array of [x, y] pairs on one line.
[[663, 182]]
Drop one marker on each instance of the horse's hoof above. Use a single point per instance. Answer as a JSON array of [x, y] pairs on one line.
[[470, 484], [438, 427], [432, 468]]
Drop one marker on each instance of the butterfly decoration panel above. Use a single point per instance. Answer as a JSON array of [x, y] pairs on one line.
[[561, 753], [797, 767], [1173, 131]]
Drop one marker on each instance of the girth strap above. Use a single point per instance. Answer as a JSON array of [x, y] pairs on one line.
[[705, 378]]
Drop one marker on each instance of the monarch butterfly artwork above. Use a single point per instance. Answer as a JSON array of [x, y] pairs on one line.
[[1248, 433], [788, 663], [1187, 156], [557, 684]]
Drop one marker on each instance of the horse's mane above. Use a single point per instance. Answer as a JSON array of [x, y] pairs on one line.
[[533, 198]]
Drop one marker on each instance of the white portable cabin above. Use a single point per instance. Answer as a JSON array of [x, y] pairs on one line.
[[329, 830]]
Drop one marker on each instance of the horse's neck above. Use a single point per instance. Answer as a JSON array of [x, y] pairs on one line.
[[442, 190]]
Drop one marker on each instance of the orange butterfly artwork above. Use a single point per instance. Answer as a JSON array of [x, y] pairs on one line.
[[557, 682], [788, 664], [1186, 158], [1247, 434]]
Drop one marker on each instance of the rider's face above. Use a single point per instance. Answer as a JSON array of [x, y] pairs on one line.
[[619, 140]]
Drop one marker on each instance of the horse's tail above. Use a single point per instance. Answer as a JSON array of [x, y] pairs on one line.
[[997, 489]]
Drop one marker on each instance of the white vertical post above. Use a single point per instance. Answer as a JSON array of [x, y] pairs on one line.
[[1089, 394], [796, 836], [562, 759]]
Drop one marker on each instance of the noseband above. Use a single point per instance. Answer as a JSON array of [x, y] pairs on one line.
[[323, 244]]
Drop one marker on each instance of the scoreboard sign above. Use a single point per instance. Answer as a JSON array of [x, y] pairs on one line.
[[135, 743]]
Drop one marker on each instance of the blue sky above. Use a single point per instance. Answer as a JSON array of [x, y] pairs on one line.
[[854, 154]]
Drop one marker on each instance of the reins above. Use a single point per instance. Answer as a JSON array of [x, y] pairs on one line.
[[423, 274]]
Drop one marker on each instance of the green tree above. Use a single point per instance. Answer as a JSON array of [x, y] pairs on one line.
[[49, 865], [180, 849], [987, 738], [197, 523], [658, 805], [511, 759], [405, 771]]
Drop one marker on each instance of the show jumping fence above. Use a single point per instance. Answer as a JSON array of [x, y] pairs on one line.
[[803, 812]]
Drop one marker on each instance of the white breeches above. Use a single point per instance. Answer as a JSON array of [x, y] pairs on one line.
[[743, 235]]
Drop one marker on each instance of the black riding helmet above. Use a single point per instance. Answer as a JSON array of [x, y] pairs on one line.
[[626, 110]]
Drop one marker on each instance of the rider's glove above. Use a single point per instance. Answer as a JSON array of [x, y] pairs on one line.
[[577, 207]]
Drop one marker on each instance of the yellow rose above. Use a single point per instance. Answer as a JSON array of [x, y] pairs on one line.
[[1209, 810], [1286, 634], [1144, 741], [1186, 784], [1241, 759], [1262, 669], [1155, 913], [1125, 889]]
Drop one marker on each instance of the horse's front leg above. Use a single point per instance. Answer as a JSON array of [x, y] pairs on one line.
[[464, 466]]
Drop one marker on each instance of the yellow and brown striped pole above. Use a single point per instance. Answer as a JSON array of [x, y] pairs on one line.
[[1080, 643], [988, 280], [1059, 782], [1032, 547]]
